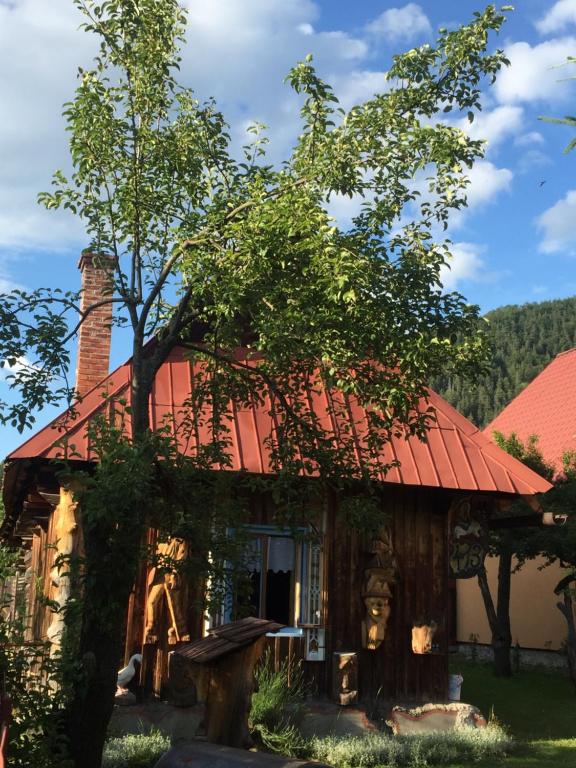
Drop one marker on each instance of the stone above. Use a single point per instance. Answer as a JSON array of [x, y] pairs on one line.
[[324, 719], [175, 722], [201, 754], [434, 717]]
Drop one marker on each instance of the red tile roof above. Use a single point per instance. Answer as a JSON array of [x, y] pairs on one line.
[[456, 455], [546, 408]]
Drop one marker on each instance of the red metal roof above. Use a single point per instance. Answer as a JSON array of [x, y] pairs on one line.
[[456, 454], [546, 408]]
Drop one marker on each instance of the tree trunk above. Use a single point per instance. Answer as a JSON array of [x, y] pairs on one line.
[[110, 572], [229, 696], [499, 619], [567, 610], [112, 549], [503, 644]]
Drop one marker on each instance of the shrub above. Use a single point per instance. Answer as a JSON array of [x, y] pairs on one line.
[[376, 750], [135, 751], [279, 693], [31, 677], [277, 705]]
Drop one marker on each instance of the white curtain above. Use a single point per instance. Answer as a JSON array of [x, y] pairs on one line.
[[280, 554]]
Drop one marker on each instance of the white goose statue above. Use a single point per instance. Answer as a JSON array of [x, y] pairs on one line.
[[127, 673]]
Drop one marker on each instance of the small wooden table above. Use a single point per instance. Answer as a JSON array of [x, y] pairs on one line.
[[222, 664]]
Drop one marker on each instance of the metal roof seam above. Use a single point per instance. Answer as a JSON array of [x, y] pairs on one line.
[[443, 461]]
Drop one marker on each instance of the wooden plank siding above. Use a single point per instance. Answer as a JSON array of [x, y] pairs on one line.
[[419, 522], [392, 671]]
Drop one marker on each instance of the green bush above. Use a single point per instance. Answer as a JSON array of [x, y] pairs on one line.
[[277, 705], [376, 750], [135, 750], [279, 693], [31, 677]]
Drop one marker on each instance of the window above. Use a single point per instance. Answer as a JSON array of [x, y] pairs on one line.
[[286, 578], [272, 568]]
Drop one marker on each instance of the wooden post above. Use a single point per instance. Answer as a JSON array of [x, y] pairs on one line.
[[229, 696]]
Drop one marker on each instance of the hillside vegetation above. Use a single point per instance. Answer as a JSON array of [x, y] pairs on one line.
[[524, 340]]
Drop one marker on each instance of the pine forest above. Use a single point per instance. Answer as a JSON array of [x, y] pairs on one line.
[[524, 340]]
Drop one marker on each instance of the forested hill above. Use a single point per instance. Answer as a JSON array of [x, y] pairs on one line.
[[525, 338]]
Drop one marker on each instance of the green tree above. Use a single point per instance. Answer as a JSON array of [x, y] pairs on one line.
[[505, 544], [216, 253], [523, 340], [524, 537], [557, 544], [569, 120]]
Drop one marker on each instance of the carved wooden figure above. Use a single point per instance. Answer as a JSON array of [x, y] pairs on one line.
[[422, 636], [167, 587], [377, 595], [64, 539], [345, 678], [376, 620]]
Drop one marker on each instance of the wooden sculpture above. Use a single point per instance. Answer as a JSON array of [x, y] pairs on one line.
[[64, 531], [166, 586], [422, 636], [379, 574], [345, 678]]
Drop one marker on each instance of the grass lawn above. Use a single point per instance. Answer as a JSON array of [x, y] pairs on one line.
[[536, 705]]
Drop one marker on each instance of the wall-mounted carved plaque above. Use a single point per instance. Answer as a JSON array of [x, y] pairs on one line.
[[468, 539], [423, 636]]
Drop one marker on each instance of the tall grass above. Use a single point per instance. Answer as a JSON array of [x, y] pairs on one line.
[[277, 706]]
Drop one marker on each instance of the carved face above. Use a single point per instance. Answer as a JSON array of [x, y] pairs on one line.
[[422, 637], [378, 608]]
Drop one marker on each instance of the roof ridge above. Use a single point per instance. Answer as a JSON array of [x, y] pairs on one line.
[[561, 354]]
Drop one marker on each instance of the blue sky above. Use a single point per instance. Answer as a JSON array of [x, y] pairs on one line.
[[517, 241]]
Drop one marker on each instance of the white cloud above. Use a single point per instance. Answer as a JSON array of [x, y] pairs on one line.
[[40, 50], [559, 226], [466, 265], [529, 139], [533, 74], [238, 52], [486, 182], [358, 86], [401, 24], [561, 15], [344, 208], [21, 364], [532, 159], [494, 126]]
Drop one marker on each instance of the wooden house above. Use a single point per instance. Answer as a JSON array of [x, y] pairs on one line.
[[350, 604]]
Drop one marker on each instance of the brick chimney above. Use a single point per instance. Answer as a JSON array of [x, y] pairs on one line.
[[95, 332]]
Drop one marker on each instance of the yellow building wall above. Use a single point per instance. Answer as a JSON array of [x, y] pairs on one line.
[[534, 619]]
